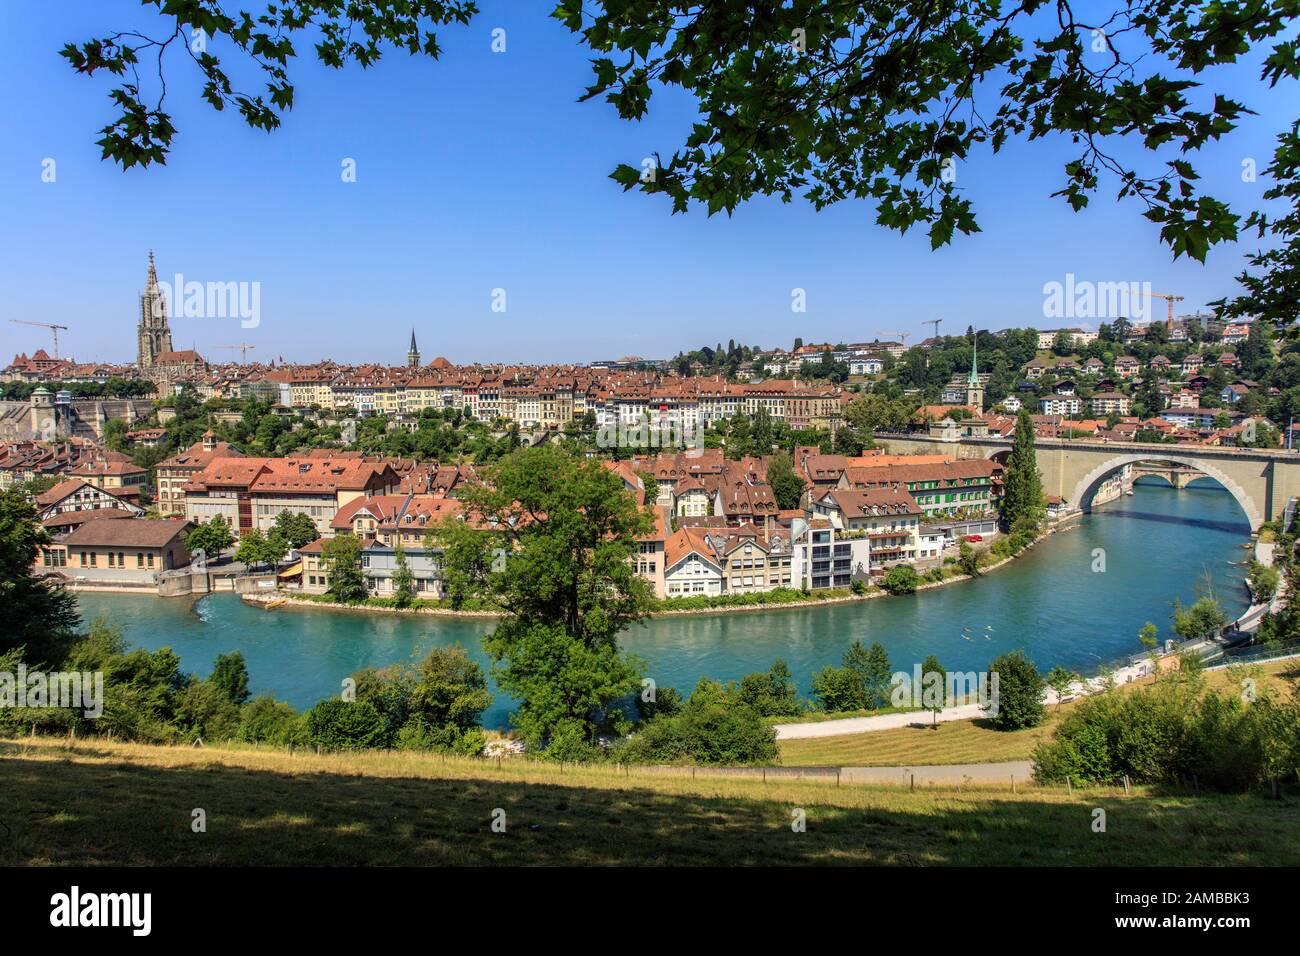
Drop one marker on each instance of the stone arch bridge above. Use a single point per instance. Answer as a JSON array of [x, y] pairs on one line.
[[1261, 480]]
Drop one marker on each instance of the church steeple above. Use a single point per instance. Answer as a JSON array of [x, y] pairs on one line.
[[413, 353], [153, 335], [974, 389]]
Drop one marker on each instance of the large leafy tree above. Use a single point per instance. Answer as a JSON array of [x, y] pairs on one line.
[[550, 537], [787, 487], [36, 613], [211, 537], [342, 557], [879, 100], [296, 529]]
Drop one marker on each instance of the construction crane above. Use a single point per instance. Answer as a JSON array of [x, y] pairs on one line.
[[243, 348], [45, 325], [901, 336], [935, 323], [1170, 299]]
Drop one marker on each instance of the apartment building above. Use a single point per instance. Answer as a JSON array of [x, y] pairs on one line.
[[888, 517], [1108, 403], [173, 473], [940, 489], [251, 492]]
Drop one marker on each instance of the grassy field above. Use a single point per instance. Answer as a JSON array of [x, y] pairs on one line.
[[958, 741], [975, 741], [93, 803]]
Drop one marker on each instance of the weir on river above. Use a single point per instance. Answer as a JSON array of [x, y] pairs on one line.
[[1155, 546]]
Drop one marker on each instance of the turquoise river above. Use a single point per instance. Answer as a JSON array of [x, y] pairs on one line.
[[1158, 544]]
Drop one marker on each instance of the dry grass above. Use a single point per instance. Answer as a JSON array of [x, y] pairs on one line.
[[94, 803]]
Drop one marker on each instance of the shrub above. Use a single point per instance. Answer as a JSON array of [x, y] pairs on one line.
[[713, 727], [1175, 730], [771, 694], [335, 724], [267, 720], [901, 579], [1020, 692]]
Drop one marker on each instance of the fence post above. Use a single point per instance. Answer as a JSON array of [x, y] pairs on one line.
[[1013, 783], [1069, 787], [912, 786]]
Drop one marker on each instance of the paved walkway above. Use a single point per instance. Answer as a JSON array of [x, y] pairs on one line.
[[1019, 770], [862, 725]]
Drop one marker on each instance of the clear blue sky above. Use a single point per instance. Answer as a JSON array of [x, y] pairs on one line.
[[481, 171]]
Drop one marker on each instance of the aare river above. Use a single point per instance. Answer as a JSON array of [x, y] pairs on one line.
[[1158, 545]]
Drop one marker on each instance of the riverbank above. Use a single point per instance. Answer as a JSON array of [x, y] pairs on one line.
[[1160, 545], [281, 600]]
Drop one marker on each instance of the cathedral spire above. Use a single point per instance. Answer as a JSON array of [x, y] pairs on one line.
[[153, 335], [413, 353]]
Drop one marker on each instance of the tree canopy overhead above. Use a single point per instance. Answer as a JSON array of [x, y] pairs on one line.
[[876, 100]]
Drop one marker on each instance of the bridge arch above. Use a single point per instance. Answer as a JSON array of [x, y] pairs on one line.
[[1087, 485]]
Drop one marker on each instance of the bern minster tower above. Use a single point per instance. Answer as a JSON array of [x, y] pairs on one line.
[[153, 337]]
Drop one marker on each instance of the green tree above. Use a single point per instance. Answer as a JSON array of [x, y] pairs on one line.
[[230, 676], [901, 579], [212, 537], [342, 558], [403, 579], [771, 693], [1264, 580], [557, 534], [296, 529], [713, 726], [335, 724], [253, 548], [35, 610], [934, 687], [787, 487], [114, 436], [1203, 619], [1020, 692], [1022, 496], [1060, 679]]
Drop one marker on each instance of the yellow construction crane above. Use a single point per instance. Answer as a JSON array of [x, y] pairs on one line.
[[242, 347], [44, 325], [1170, 299]]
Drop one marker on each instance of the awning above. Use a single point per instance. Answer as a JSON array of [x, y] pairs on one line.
[[292, 571]]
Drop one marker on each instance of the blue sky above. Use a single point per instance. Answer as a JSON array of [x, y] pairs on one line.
[[481, 171]]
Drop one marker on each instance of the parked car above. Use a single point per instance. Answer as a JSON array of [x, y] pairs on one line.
[[972, 538]]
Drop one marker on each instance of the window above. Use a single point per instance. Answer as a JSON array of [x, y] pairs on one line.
[[139, 559]]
